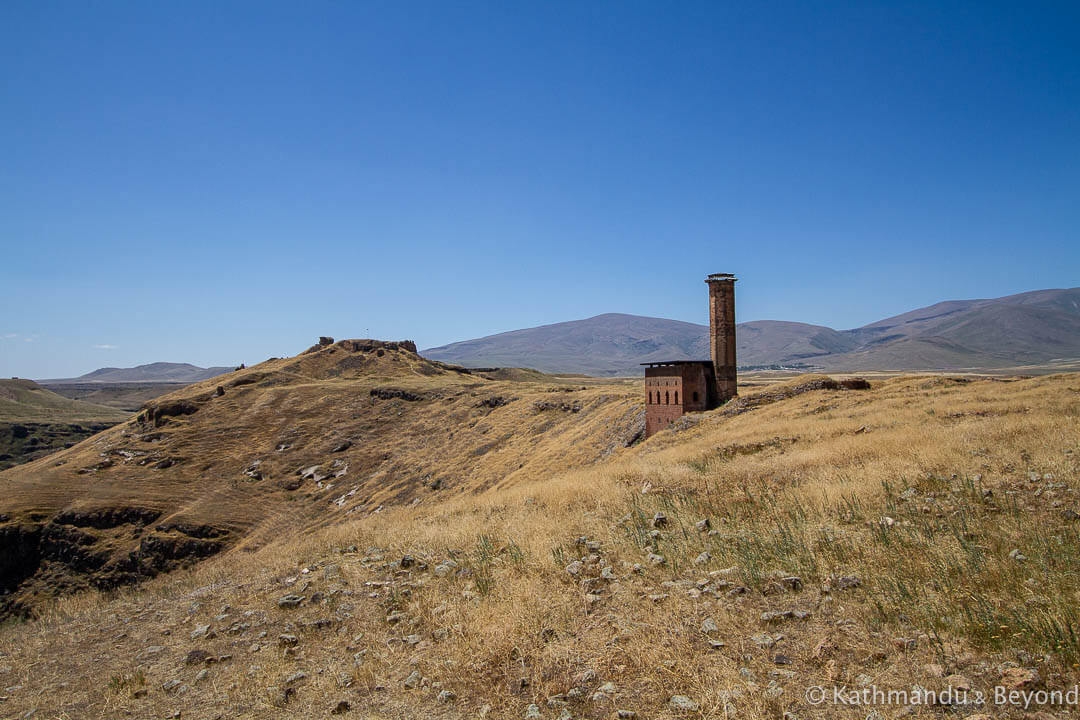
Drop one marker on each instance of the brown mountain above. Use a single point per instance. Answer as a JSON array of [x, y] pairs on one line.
[[1032, 328], [158, 372]]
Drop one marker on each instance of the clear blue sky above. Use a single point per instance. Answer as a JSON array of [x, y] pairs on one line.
[[219, 182]]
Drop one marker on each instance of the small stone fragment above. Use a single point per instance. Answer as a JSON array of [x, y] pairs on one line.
[[1020, 679], [681, 703]]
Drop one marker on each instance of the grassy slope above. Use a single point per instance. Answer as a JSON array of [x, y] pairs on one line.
[[430, 437], [128, 396], [920, 488], [23, 401]]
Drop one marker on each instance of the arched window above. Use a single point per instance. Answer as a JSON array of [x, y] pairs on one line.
[[695, 396], [676, 397], [667, 398]]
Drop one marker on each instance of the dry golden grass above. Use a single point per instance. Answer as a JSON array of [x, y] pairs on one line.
[[920, 488], [426, 434]]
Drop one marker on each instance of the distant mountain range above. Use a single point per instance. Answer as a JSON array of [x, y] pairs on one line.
[[1031, 328], [159, 372]]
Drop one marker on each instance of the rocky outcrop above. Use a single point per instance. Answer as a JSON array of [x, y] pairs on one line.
[[20, 554], [395, 393], [362, 345], [103, 548], [741, 404], [24, 442], [156, 414]]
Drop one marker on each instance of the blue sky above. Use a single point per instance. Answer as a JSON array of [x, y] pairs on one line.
[[220, 182]]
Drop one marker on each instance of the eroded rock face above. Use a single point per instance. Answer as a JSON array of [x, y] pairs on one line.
[[101, 547], [19, 554], [156, 414]]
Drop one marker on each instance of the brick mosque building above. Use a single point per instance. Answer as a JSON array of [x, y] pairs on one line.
[[676, 387]]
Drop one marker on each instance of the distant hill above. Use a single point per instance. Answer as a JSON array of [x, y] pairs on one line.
[[1026, 329], [24, 401], [154, 372], [35, 422]]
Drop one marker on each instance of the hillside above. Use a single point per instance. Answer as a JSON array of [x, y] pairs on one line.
[[26, 401], [158, 372], [231, 463], [1029, 329], [35, 422], [129, 396], [920, 533]]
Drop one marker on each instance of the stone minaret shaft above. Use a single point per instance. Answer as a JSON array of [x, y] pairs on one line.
[[722, 333]]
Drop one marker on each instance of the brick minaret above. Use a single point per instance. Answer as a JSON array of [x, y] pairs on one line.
[[722, 333]]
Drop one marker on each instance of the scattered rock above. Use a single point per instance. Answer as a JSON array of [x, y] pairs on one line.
[[200, 631], [533, 712], [703, 525], [781, 615], [152, 651], [1018, 556], [763, 640], [659, 520], [290, 601], [574, 568], [195, 657], [703, 558], [681, 703], [847, 582], [1020, 679], [446, 696], [341, 708], [342, 447], [655, 559], [709, 626], [413, 681]]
